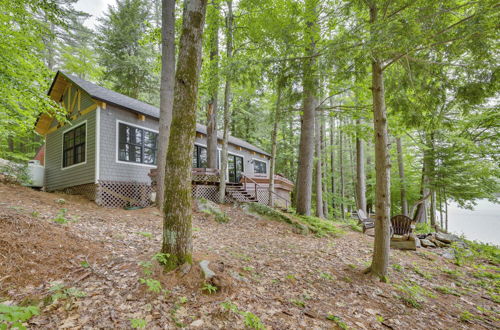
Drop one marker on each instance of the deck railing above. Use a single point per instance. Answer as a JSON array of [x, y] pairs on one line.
[[245, 178]]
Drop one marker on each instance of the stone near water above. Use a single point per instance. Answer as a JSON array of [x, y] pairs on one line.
[[426, 243], [446, 238]]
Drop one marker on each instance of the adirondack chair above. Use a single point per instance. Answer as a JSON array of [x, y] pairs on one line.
[[402, 225], [365, 221]]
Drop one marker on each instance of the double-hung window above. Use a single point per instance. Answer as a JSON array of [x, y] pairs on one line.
[[74, 146], [259, 167], [136, 145]]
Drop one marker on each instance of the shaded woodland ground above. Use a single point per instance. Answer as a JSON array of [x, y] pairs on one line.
[[86, 271]]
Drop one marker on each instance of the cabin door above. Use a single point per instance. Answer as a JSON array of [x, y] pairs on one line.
[[235, 168]]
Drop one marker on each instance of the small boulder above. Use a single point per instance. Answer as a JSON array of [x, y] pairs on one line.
[[426, 243], [207, 272], [447, 238]]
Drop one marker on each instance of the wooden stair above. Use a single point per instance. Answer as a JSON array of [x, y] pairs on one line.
[[239, 194]]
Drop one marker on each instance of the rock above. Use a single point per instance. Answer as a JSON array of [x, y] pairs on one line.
[[197, 323], [426, 243], [438, 243], [206, 271], [446, 238]]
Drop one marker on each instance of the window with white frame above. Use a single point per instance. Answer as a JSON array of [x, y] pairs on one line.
[[259, 167], [74, 146], [136, 145]]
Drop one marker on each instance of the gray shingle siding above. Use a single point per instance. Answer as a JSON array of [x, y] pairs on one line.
[[56, 177], [109, 168]]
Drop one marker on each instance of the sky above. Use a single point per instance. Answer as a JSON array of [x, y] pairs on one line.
[[94, 7]]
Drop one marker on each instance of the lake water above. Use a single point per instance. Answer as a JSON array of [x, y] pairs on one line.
[[481, 224]]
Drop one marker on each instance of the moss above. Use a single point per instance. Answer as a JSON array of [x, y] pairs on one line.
[[173, 261]]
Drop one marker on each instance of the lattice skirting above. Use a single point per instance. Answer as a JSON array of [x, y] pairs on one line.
[[88, 190], [122, 194]]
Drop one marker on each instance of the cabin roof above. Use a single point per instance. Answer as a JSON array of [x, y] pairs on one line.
[[114, 98]]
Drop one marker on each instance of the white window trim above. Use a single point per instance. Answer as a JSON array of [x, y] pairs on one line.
[[262, 161], [62, 144], [118, 121]]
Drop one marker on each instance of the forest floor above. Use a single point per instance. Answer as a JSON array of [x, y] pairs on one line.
[[86, 273]]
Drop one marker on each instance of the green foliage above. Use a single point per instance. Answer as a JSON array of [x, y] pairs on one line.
[[60, 292], [61, 217], [326, 276], [414, 295], [447, 290], [152, 284], [25, 78], [337, 321], [147, 267], [379, 318], [298, 303], [397, 267], [138, 323], [17, 173], [466, 316], [421, 272], [251, 320], [322, 227], [12, 317], [84, 264], [145, 234], [128, 62], [424, 228], [209, 288], [162, 258]]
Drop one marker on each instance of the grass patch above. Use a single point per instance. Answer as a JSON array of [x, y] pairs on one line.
[[337, 321], [414, 295], [305, 224], [447, 290]]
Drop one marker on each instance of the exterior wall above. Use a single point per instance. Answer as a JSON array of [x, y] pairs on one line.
[[56, 177], [248, 157], [110, 169]]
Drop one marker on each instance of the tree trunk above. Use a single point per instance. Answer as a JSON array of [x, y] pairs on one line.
[[306, 147], [332, 159], [166, 93], [352, 167], [420, 215], [402, 179], [177, 240], [319, 175], [227, 103], [381, 247], [324, 169], [360, 172], [341, 168], [213, 31], [430, 176], [274, 138]]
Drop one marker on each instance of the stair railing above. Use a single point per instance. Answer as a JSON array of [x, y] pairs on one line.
[[244, 178]]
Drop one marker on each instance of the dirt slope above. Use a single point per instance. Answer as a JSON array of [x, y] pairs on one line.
[[286, 279]]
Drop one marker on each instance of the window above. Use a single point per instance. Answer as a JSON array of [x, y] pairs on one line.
[[259, 166], [74, 146], [136, 145], [199, 157]]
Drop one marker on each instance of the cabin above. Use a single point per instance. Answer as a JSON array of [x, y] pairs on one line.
[[107, 151]]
